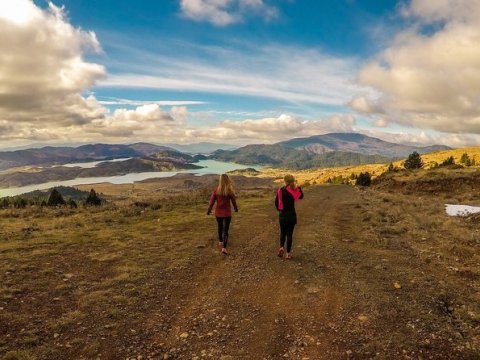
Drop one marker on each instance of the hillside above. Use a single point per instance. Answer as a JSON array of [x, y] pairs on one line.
[[330, 150], [376, 273], [60, 173], [50, 155], [356, 143], [281, 156]]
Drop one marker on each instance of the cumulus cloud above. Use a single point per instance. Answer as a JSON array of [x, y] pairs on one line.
[[429, 77], [42, 70], [226, 12], [274, 128]]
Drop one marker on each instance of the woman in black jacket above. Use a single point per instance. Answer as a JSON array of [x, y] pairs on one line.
[[285, 204]]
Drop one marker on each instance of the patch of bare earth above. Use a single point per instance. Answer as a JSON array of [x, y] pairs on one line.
[[375, 274]]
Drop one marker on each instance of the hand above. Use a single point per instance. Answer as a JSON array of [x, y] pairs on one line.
[[236, 210], [209, 212]]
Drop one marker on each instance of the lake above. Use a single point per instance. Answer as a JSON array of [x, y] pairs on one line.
[[209, 167]]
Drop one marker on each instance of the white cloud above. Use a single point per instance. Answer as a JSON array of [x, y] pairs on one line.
[[288, 73], [226, 12], [116, 101], [430, 79], [274, 129], [42, 70]]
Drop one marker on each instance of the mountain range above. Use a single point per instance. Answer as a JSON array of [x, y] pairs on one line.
[[336, 149], [329, 150]]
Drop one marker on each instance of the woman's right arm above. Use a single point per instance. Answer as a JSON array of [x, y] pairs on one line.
[[213, 198]]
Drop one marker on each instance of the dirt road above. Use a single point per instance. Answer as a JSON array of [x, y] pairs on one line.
[[343, 296]]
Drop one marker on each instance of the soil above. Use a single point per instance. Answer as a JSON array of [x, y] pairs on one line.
[[353, 290]]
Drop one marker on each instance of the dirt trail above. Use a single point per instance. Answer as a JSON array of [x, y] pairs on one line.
[[335, 300]]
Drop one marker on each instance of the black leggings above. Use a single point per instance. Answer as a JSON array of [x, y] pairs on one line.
[[223, 226], [286, 233]]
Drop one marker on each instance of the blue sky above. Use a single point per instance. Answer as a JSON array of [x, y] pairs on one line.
[[239, 71]]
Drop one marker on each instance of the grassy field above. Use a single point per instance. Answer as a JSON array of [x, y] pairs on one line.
[[377, 273]]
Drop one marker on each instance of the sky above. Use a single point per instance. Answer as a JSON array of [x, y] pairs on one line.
[[238, 71]]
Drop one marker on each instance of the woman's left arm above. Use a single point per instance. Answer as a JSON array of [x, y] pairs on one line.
[[301, 193]]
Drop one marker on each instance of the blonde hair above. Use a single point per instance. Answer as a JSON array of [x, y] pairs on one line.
[[225, 186], [290, 181]]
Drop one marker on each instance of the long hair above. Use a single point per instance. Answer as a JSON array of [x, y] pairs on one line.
[[290, 181], [225, 186]]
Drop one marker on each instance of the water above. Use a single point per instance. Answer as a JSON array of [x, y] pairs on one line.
[[209, 167], [92, 164]]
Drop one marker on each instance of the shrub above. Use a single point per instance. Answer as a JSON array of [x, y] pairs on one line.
[[414, 161], [93, 199], [72, 204], [448, 161], [55, 199], [364, 179]]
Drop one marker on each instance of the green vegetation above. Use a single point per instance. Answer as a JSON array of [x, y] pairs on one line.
[[363, 179], [414, 161], [93, 199]]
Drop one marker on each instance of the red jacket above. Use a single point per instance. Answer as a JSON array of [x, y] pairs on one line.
[[223, 208]]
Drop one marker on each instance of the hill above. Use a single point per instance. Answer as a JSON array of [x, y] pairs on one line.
[[281, 156], [330, 150], [142, 277], [60, 173], [356, 143], [50, 155]]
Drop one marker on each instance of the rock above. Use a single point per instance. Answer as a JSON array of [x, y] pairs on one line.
[[297, 282], [184, 335], [56, 335], [349, 352], [397, 285], [362, 318]]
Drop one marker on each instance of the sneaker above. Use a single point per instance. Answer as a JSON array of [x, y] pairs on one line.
[[280, 252], [289, 256], [224, 251]]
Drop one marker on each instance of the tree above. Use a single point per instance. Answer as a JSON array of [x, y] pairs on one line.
[[391, 167], [448, 161], [55, 199], [464, 159], [364, 179], [414, 161], [93, 199], [72, 203]]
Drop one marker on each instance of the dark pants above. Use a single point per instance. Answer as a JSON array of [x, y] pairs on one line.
[[286, 233], [223, 226]]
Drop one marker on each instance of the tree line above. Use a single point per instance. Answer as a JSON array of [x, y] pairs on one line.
[[54, 199]]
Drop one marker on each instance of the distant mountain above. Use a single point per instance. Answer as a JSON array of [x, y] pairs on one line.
[[330, 150], [50, 155], [282, 156], [357, 143], [202, 147]]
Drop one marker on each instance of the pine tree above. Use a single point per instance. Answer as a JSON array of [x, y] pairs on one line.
[[93, 199], [55, 199], [414, 161]]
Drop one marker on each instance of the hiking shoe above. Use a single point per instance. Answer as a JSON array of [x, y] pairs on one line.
[[280, 252], [224, 251], [289, 256]]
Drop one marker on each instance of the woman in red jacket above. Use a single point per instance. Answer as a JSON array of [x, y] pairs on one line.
[[223, 195], [285, 204]]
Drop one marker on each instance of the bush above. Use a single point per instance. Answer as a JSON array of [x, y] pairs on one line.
[[363, 179], [448, 161], [55, 199], [414, 161], [93, 199]]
